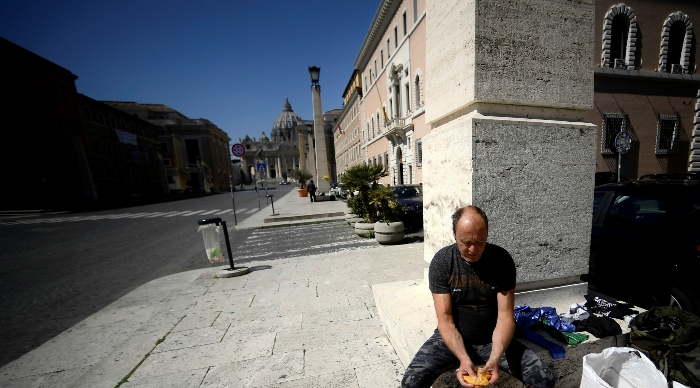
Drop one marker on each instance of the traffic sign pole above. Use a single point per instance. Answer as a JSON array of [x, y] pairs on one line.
[[623, 144]]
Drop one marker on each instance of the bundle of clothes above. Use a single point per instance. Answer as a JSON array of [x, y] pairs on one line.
[[595, 316]]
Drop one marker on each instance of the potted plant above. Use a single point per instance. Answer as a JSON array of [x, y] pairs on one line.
[[388, 229], [359, 177], [357, 212], [302, 176]]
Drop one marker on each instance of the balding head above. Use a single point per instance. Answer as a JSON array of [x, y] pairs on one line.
[[470, 231], [470, 210]]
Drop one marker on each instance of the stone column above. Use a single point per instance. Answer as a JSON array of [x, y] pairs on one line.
[[507, 87], [322, 165], [302, 140]]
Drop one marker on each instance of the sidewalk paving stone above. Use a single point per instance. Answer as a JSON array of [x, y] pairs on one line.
[[186, 379], [191, 338], [351, 354], [165, 363], [257, 372]]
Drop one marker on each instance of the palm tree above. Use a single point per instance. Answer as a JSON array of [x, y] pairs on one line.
[[301, 175], [384, 200], [359, 177]]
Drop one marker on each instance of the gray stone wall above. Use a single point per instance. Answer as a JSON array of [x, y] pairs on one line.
[[534, 179], [522, 52]]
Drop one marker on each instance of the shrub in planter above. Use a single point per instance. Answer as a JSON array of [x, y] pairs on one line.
[[359, 177], [388, 230]]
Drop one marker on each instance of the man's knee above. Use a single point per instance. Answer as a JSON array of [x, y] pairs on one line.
[[539, 375]]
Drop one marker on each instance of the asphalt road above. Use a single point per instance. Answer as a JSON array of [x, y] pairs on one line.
[[56, 270]]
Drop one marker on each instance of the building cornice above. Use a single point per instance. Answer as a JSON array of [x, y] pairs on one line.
[[644, 75], [378, 26]]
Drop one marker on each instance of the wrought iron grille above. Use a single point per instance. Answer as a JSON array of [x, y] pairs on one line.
[[613, 123], [667, 134]]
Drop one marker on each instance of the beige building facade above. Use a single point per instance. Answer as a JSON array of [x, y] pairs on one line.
[[196, 153], [391, 66]]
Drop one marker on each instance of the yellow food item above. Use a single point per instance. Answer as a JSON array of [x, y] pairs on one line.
[[482, 378]]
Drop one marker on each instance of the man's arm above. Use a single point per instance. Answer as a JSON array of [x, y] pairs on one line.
[[453, 340], [503, 333]]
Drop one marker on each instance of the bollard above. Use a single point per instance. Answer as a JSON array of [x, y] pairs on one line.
[[228, 272], [272, 203]]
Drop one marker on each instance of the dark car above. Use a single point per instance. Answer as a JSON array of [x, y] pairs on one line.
[[675, 176], [645, 243], [605, 177], [411, 199]]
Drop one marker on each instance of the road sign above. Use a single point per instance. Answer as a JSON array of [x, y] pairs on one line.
[[261, 167], [623, 142], [238, 150]]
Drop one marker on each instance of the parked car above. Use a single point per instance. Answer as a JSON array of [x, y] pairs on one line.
[[605, 177], [411, 198], [683, 176], [339, 190], [645, 243]]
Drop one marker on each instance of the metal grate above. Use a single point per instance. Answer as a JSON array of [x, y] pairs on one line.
[[613, 123], [667, 135]]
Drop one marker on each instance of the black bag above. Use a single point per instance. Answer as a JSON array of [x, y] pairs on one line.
[[671, 338]]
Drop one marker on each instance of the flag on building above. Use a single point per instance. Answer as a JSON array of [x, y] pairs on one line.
[[386, 118], [340, 129]]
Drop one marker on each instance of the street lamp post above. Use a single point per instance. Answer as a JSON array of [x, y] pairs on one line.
[[319, 133]]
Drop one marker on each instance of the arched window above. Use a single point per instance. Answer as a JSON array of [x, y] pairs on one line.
[[676, 44], [372, 128], [619, 38], [378, 125], [418, 89]]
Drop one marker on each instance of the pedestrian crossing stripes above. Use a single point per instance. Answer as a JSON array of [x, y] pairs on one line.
[[185, 213], [267, 244]]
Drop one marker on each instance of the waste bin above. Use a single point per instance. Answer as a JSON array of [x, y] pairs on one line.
[[212, 245]]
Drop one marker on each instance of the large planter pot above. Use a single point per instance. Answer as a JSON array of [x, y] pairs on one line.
[[388, 233], [364, 229], [303, 192], [352, 219]]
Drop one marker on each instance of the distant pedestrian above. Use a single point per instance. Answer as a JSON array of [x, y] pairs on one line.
[[311, 187], [242, 187]]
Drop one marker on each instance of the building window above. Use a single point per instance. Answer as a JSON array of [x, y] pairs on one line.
[[419, 152], [677, 44], [112, 122], [164, 148], [415, 11], [381, 56], [404, 23], [375, 69], [416, 90], [388, 52], [386, 158], [619, 47], [88, 114], [408, 99], [396, 37], [667, 134], [247, 146], [613, 123], [62, 92]]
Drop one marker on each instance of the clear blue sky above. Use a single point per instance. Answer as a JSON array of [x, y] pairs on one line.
[[232, 62]]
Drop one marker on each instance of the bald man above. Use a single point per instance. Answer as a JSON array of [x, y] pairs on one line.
[[473, 284]]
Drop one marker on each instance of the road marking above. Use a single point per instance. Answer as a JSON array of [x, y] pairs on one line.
[[209, 212], [192, 213], [138, 215], [161, 214], [177, 213], [123, 215], [224, 212], [251, 211]]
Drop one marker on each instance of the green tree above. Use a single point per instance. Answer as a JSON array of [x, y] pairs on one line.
[[359, 177], [301, 175]]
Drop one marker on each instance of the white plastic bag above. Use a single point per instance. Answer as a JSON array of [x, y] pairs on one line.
[[620, 368], [212, 236]]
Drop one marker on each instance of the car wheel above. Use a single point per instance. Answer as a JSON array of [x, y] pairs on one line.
[[683, 301]]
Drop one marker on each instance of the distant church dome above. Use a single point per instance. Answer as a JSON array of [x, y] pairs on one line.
[[283, 128]]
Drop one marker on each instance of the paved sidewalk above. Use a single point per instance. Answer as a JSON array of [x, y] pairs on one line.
[[300, 322], [291, 209], [303, 322]]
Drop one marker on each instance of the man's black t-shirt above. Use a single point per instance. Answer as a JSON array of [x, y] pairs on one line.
[[473, 288]]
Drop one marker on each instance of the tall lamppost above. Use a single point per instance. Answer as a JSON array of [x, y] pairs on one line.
[[322, 165]]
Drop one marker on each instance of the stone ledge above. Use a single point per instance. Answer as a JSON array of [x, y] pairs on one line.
[[407, 314], [301, 217]]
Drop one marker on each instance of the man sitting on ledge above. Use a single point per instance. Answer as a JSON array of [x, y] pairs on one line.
[[473, 285]]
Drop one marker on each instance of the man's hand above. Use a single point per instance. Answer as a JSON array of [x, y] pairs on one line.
[[466, 368], [492, 366]]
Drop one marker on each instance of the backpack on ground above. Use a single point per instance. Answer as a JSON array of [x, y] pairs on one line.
[[670, 337]]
